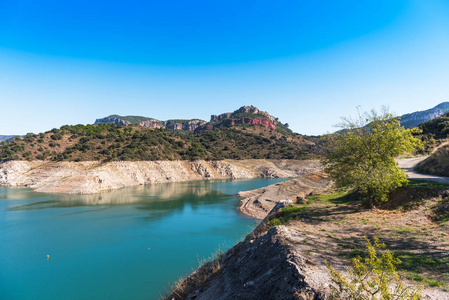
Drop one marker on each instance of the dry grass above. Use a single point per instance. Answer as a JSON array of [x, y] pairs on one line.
[[437, 163], [332, 227]]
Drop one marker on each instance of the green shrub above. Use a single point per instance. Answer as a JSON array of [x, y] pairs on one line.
[[371, 278], [275, 222], [56, 136]]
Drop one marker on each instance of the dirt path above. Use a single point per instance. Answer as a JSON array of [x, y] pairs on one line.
[[408, 163]]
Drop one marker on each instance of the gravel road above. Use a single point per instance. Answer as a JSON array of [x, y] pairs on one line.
[[407, 165]]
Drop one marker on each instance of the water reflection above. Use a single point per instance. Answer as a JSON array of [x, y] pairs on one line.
[[153, 197], [156, 199]]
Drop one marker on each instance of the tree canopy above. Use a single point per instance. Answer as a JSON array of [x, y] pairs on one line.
[[362, 154]]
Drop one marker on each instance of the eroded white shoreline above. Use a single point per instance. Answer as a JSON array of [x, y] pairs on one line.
[[93, 177]]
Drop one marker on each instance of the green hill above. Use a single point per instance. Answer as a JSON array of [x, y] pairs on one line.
[[437, 128], [107, 142]]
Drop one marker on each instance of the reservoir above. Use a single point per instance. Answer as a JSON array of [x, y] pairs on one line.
[[126, 244]]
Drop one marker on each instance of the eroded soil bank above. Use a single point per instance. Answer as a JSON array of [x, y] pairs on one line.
[[263, 266], [94, 177], [258, 203]]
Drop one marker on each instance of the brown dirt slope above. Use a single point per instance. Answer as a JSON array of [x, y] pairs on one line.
[[437, 163]]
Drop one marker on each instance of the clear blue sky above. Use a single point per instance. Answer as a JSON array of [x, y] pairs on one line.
[[306, 62]]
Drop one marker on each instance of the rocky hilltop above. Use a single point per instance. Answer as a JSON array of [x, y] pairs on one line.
[[251, 110], [416, 118], [249, 115], [117, 120]]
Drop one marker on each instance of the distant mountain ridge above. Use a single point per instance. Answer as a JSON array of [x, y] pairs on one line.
[[416, 118], [6, 137], [437, 128]]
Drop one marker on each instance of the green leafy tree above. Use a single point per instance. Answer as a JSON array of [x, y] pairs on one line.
[[362, 154], [374, 277]]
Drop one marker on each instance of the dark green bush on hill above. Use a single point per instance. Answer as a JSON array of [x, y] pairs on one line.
[[437, 128]]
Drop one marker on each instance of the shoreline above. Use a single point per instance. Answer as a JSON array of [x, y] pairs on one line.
[[93, 177], [259, 202]]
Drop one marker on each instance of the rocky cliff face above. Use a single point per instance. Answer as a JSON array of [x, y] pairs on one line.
[[152, 123], [416, 118], [94, 177], [186, 125], [189, 125], [251, 115], [112, 120], [253, 121]]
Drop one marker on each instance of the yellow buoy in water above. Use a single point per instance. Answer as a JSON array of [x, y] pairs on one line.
[[48, 256]]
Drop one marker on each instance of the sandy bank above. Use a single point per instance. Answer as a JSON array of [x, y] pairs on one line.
[[93, 177], [258, 203]]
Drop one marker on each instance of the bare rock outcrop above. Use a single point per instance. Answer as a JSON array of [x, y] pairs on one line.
[[189, 125], [253, 121], [416, 118], [186, 125], [262, 267], [257, 117], [152, 123], [112, 120]]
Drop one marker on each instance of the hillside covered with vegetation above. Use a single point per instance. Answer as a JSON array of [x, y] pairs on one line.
[[434, 134], [107, 142], [437, 128]]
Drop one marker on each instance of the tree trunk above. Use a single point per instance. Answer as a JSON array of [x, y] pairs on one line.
[[370, 200]]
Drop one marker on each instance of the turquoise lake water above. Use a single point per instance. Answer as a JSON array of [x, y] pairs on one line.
[[126, 244]]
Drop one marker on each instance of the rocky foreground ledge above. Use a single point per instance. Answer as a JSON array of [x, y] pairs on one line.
[[264, 266], [93, 177]]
